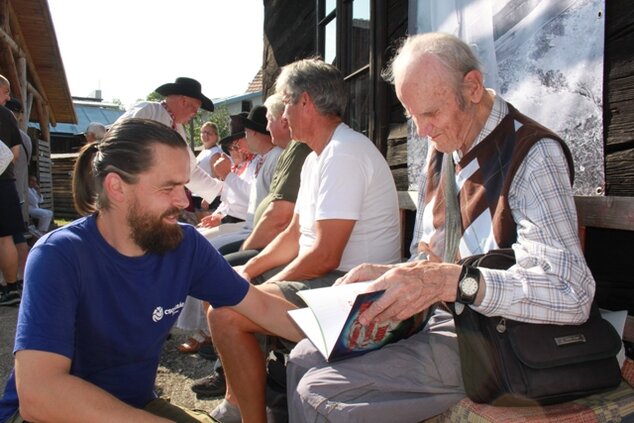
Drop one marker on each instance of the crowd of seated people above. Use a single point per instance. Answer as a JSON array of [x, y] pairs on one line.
[[315, 205]]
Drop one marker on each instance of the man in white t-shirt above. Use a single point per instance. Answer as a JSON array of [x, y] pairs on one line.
[[346, 214]]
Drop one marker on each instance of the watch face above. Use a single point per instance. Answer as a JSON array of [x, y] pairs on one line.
[[469, 286]]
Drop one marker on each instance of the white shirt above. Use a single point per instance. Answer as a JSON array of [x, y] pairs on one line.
[[34, 198], [200, 183], [204, 157], [351, 180]]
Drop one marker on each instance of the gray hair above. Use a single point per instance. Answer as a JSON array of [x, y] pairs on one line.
[[274, 104], [97, 129], [322, 81], [4, 81], [454, 55]]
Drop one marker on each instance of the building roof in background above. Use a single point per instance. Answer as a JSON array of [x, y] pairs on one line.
[[87, 112], [236, 98], [256, 84], [37, 30]]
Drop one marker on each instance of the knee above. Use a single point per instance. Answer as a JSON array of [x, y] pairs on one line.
[[305, 355], [224, 320]]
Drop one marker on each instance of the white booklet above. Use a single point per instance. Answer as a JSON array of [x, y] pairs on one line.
[[331, 321]]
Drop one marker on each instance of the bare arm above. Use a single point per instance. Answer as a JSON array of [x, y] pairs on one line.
[[281, 250], [16, 152], [200, 183], [270, 312], [49, 393], [274, 220], [212, 160], [325, 254]]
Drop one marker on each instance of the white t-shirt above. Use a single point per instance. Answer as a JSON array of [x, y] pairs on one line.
[[351, 180], [262, 184], [204, 156]]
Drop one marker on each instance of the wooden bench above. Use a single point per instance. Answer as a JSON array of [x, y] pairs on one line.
[[614, 406]]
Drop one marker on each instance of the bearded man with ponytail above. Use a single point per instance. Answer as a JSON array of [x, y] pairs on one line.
[[102, 293]]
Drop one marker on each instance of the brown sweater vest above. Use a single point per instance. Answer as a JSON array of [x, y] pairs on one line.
[[498, 157]]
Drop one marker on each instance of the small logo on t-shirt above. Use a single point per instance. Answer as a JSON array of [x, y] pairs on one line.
[[158, 312]]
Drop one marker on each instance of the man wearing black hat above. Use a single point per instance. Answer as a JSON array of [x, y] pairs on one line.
[[182, 100], [233, 203], [259, 141]]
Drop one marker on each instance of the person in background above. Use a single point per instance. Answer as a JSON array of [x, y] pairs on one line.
[[259, 141], [206, 158], [183, 99], [22, 185], [115, 281], [43, 216], [232, 209], [211, 150], [95, 131], [233, 202], [513, 179], [11, 222]]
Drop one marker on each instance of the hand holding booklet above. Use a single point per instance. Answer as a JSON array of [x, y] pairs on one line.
[[331, 321]]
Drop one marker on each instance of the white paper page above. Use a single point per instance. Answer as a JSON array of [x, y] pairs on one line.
[[331, 306], [307, 322]]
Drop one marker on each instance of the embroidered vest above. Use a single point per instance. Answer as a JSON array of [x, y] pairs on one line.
[[484, 177]]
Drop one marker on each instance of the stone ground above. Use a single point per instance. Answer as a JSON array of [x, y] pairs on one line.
[[175, 374]]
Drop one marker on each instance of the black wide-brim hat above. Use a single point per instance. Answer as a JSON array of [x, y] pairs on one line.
[[256, 120], [237, 131], [188, 87]]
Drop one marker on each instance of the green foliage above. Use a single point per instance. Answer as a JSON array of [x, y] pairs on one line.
[[220, 116], [154, 96]]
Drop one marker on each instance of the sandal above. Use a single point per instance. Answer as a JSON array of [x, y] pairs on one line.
[[192, 345]]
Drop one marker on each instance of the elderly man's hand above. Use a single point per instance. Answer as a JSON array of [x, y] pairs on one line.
[[222, 167], [363, 272], [412, 288]]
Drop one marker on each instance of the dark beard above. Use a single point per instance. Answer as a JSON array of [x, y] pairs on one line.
[[151, 233]]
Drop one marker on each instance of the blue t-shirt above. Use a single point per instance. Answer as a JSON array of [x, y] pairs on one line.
[[110, 314]]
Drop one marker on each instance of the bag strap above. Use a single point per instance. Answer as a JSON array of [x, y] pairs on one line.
[[453, 222]]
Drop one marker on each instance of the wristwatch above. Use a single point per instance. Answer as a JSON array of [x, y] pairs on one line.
[[468, 285]]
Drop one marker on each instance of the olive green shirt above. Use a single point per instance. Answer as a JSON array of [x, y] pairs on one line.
[[285, 182]]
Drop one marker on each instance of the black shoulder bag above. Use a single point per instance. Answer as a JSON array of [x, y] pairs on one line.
[[509, 363], [506, 362]]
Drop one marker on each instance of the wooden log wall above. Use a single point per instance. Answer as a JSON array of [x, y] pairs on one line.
[[62, 175], [44, 166], [618, 109]]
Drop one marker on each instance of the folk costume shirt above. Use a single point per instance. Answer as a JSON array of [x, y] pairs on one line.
[[200, 183], [109, 313], [350, 180]]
